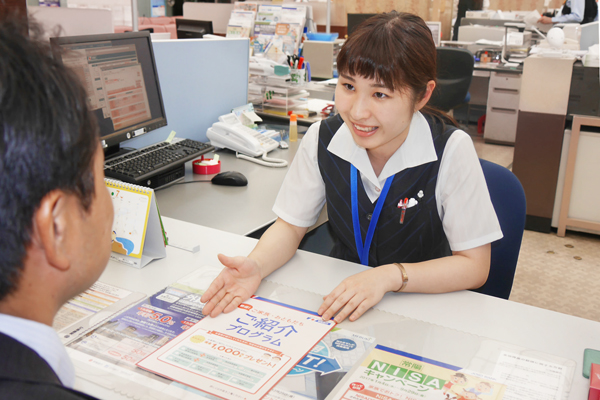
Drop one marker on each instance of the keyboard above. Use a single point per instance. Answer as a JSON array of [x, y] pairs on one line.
[[143, 165]]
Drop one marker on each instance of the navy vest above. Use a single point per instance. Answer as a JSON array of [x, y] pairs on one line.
[[421, 237]]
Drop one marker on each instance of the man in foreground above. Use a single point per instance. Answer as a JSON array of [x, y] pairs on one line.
[[55, 212]]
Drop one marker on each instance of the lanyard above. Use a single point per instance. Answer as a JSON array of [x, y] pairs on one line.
[[363, 252]]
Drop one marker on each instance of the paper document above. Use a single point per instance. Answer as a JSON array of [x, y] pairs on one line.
[[529, 378], [243, 354], [91, 307], [321, 369], [392, 374]]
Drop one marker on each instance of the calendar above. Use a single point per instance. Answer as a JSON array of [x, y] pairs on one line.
[[137, 233]]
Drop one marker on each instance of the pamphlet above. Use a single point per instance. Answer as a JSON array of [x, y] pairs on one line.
[[89, 308], [138, 331], [392, 374], [242, 354], [321, 369]]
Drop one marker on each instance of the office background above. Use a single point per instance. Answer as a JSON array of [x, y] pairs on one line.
[[429, 10], [553, 273]]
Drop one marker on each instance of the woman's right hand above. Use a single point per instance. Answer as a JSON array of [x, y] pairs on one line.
[[237, 282]]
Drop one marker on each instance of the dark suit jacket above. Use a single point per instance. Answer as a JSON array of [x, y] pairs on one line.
[[26, 375]]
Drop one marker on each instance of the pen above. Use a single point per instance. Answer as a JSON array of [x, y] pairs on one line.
[[403, 204], [300, 62]]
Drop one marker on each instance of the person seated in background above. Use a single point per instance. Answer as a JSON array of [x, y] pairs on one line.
[[574, 11], [55, 211]]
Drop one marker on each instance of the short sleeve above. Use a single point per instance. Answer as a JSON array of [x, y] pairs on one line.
[[463, 199], [302, 194]]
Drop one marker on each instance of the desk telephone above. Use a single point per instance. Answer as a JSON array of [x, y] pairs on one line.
[[244, 140], [240, 138]]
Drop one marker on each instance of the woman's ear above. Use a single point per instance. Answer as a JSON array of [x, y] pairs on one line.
[[428, 92]]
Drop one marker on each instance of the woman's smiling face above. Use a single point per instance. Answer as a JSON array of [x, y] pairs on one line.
[[378, 117]]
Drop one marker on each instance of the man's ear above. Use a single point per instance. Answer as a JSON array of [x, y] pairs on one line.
[[50, 226], [426, 96]]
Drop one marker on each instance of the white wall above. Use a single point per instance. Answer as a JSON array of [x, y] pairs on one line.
[[72, 21]]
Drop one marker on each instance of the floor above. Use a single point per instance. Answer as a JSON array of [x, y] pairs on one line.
[[559, 274]]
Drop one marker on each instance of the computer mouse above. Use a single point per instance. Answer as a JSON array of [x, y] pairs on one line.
[[230, 178]]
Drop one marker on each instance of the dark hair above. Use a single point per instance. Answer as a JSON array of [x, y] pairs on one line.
[[48, 139], [396, 49]]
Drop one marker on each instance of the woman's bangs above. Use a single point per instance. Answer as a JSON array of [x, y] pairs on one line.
[[371, 65]]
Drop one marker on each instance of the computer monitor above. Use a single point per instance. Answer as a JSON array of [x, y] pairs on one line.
[[193, 28], [119, 74], [356, 19], [436, 31]]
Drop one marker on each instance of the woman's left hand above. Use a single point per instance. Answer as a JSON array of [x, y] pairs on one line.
[[358, 293]]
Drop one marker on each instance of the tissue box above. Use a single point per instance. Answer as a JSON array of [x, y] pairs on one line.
[[594, 393]]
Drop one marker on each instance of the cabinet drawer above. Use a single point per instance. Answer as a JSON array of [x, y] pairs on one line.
[[501, 125], [505, 80], [504, 98]]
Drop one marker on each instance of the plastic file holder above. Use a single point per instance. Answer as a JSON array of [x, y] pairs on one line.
[[476, 355]]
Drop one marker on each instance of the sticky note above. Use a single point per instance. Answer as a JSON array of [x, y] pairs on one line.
[[171, 136]]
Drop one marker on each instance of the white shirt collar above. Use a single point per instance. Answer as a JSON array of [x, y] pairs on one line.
[[417, 149], [43, 340]]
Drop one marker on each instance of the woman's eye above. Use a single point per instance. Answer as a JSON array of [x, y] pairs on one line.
[[380, 95], [348, 86]]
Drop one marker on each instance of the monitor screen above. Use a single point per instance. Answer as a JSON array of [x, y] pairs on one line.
[[119, 74], [356, 19], [193, 28]]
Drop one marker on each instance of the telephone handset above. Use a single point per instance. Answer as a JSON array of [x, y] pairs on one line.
[[240, 138], [244, 140]]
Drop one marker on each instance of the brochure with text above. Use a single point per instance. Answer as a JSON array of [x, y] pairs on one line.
[[242, 354], [395, 375]]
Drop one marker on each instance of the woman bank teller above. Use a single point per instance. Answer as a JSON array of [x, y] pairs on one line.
[[404, 189]]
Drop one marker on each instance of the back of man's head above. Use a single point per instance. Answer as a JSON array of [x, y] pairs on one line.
[[48, 139]]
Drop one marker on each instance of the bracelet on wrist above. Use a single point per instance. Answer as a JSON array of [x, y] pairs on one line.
[[404, 276]]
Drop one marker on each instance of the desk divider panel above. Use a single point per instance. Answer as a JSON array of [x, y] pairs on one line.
[[200, 79]]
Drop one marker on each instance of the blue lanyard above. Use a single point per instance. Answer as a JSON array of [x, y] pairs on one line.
[[363, 252]]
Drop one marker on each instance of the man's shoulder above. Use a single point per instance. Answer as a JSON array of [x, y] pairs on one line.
[[20, 363], [25, 375], [20, 390]]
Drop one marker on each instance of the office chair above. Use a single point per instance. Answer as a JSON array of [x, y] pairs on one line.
[[508, 199], [454, 74]]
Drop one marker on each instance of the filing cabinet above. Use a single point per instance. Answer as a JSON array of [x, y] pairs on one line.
[[502, 107]]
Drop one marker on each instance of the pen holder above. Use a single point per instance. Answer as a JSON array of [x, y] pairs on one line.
[[297, 77], [200, 167]]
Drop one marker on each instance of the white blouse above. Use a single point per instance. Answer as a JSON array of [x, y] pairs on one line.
[[462, 197]]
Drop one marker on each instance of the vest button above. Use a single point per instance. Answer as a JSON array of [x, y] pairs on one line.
[[369, 215]]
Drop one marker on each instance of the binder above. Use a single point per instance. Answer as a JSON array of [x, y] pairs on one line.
[[137, 233]]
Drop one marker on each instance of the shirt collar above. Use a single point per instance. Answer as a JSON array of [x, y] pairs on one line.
[[417, 149], [44, 341]]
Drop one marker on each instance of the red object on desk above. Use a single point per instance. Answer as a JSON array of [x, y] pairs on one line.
[[594, 393], [205, 169]]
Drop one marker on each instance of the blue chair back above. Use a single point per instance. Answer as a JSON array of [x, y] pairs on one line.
[[508, 198]]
